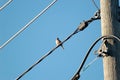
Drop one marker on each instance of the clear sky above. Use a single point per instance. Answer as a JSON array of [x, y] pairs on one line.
[[58, 21]]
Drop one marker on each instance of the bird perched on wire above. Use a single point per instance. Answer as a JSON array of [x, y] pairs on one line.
[[58, 42]]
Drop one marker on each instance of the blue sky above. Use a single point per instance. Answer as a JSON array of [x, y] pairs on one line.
[[59, 21]]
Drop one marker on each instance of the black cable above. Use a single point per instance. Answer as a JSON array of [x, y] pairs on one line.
[[81, 27], [77, 75], [47, 54]]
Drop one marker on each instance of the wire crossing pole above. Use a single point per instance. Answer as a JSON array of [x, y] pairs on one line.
[[110, 26]]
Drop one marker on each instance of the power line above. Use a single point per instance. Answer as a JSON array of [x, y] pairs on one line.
[[27, 25], [88, 65], [81, 27], [77, 75], [7, 3], [99, 54]]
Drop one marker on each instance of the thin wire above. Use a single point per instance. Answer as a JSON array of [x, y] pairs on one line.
[[7, 3], [77, 75], [27, 25], [95, 4], [89, 64], [96, 58], [80, 27]]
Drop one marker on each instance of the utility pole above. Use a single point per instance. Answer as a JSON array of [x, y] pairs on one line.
[[110, 25]]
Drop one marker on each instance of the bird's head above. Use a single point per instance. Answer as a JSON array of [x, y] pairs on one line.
[[57, 38]]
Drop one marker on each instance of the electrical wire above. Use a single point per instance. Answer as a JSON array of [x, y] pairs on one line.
[[96, 58], [47, 54], [7, 3], [95, 4], [27, 25], [89, 64], [80, 28], [77, 75]]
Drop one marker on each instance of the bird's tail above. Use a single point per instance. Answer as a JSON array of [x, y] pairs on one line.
[[62, 46]]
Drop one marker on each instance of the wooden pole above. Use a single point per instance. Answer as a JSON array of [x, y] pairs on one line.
[[111, 26]]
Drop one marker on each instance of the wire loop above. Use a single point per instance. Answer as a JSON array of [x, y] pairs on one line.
[[87, 54]]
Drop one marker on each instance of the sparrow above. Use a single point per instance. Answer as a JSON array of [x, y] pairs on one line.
[[58, 42]]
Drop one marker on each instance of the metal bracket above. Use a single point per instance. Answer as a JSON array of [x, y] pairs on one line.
[[102, 52]]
